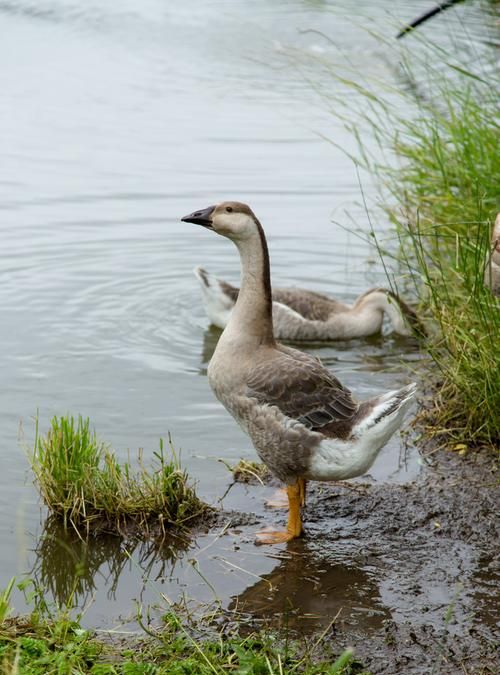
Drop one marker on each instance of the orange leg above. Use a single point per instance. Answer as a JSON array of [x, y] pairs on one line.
[[279, 500], [294, 526]]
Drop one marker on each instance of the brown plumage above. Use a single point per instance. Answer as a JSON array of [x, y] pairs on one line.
[[304, 424], [302, 389]]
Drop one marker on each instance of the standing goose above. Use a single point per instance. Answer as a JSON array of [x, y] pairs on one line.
[[492, 269], [301, 315], [303, 423]]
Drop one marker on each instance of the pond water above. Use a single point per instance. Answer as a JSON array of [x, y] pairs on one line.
[[116, 119]]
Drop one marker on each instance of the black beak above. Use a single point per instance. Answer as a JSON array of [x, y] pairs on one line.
[[202, 217]]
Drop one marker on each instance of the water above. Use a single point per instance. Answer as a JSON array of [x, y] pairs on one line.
[[116, 120]]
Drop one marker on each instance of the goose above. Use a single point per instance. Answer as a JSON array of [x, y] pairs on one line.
[[304, 424], [302, 315], [492, 268]]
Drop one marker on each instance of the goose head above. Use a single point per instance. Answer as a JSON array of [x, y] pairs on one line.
[[402, 317], [252, 314], [230, 219]]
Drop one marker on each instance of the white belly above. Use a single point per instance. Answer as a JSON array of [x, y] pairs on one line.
[[334, 459], [339, 460]]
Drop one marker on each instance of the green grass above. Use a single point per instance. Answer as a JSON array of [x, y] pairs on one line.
[[447, 192], [51, 641], [431, 140], [83, 484], [465, 372]]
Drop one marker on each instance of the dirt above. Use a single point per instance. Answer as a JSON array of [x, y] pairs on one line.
[[409, 571], [404, 573]]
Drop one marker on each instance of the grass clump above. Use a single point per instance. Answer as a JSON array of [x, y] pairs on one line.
[[85, 486], [49, 640], [448, 192], [431, 141]]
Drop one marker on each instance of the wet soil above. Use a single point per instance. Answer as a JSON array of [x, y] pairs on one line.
[[407, 572]]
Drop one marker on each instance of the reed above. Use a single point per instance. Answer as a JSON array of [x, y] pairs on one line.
[[445, 198], [465, 372], [83, 484], [430, 138]]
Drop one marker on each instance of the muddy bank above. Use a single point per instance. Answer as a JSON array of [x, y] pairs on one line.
[[404, 573], [408, 570]]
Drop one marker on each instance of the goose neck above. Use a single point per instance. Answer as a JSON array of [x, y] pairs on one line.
[[252, 314]]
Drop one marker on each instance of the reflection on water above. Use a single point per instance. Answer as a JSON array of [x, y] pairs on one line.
[[343, 576], [72, 570], [306, 593], [297, 583]]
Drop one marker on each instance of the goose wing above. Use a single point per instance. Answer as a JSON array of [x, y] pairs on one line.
[[309, 304], [302, 388]]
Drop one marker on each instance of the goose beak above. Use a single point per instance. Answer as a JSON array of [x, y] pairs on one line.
[[203, 217]]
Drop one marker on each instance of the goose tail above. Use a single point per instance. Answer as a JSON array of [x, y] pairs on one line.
[[380, 416], [219, 297], [375, 422]]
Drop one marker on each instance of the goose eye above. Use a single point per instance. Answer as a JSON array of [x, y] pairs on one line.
[[229, 209]]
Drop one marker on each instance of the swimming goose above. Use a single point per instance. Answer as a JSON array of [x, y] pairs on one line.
[[301, 315], [492, 269], [304, 424]]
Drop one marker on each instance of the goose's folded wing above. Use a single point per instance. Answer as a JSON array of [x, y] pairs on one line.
[[302, 389], [309, 304]]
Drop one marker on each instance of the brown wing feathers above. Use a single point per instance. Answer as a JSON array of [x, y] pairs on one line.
[[303, 390]]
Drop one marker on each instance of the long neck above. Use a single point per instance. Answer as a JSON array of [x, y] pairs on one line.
[[378, 302], [252, 315]]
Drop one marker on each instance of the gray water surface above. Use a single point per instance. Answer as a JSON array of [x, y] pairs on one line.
[[116, 119]]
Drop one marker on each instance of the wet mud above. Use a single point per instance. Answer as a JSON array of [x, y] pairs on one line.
[[406, 574]]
